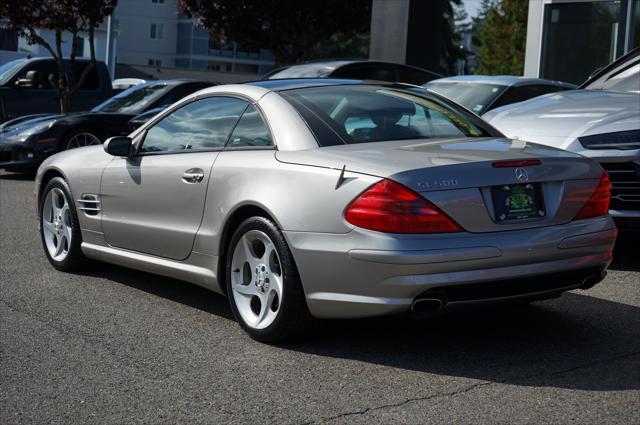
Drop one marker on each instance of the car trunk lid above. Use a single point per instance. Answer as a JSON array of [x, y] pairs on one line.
[[460, 176]]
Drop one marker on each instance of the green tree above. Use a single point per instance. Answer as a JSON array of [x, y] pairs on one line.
[[500, 31], [292, 30]]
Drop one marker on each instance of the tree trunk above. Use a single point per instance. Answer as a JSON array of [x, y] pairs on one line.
[[62, 85]]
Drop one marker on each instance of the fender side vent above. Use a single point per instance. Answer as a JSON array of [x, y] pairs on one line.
[[89, 204]]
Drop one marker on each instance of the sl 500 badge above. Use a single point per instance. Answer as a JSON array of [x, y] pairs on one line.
[[438, 183]]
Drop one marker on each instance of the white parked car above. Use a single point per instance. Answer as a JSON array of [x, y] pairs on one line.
[[601, 120]]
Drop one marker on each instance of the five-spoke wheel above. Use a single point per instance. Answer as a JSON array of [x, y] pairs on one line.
[[59, 227], [56, 224], [256, 279], [263, 284]]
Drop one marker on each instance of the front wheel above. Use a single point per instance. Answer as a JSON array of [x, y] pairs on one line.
[[263, 285], [81, 138], [59, 227]]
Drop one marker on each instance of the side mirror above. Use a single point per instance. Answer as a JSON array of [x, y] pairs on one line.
[[28, 80], [118, 146]]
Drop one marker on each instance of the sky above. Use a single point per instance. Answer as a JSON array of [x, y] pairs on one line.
[[472, 7]]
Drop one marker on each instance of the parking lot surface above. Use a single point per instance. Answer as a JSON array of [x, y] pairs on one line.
[[112, 345]]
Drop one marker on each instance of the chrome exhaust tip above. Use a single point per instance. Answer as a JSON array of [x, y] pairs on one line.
[[590, 281], [426, 305]]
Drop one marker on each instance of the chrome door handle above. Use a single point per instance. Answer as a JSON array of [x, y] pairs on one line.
[[193, 175]]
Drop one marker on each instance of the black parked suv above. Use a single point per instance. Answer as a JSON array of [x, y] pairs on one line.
[[25, 87]]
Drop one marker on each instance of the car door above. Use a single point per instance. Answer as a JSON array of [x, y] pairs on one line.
[[153, 202], [38, 98]]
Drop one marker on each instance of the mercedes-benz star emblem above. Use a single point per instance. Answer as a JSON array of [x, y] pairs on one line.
[[521, 175]]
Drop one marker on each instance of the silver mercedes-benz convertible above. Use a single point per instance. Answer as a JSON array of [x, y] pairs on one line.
[[306, 199]]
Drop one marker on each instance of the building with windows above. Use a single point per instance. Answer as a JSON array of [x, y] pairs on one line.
[[568, 40], [151, 33]]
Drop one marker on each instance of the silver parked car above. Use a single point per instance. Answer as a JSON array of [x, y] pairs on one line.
[[330, 199], [482, 93], [601, 121]]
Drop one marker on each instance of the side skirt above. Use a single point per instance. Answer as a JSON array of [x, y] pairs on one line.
[[198, 268]]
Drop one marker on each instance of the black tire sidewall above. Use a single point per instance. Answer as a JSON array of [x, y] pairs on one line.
[[74, 257], [293, 313]]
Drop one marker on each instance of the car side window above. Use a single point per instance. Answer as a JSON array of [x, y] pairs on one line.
[[367, 72], [250, 130], [413, 76], [203, 124], [43, 69], [92, 80], [522, 93]]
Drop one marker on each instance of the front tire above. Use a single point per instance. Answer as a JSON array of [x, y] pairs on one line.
[[59, 227], [80, 138], [263, 284]]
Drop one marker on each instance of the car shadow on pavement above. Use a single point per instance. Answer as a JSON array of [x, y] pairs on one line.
[[574, 342], [626, 255], [164, 287]]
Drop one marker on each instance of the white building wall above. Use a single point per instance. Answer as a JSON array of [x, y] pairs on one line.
[[134, 19]]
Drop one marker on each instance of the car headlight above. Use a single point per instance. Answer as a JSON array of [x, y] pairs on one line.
[[21, 135], [622, 140]]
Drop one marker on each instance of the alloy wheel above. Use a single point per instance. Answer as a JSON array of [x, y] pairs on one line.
[[79, 140], [256, 279], [56, 224]]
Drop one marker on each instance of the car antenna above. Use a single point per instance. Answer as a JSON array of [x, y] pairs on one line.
[[341, 178]]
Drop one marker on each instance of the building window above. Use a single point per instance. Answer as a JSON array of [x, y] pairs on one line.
[[579, 38], [155, 62], [157, 31], [78, 46], [219, 66], [157, 1]]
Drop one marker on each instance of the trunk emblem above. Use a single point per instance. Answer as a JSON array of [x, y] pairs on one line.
[[521, 175]]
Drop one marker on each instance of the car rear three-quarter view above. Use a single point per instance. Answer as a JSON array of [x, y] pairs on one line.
[[311, 199]]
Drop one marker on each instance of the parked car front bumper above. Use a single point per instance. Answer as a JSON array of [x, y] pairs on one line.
[[22, 156]]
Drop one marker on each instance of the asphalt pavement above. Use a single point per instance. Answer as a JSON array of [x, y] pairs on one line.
[[117, 346]]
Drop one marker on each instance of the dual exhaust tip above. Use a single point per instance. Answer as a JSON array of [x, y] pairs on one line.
[[429, 305]]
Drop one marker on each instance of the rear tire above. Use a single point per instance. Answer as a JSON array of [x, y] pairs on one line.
[[59, 226], [263, 285]]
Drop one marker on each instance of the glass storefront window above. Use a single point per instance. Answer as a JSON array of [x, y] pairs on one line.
[[581, 37]]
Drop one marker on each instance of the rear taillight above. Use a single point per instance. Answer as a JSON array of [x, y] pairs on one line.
[[392, 208], [598, 203]]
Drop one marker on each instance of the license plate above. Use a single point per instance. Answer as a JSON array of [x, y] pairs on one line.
[[517, 202]]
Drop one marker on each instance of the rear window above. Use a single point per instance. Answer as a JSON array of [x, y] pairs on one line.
[[360, 114], [477, 97]]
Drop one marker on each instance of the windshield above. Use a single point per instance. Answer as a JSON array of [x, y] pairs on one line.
[[624, 80], [8, 69], [303, 71], [476, 97], [365, 113], [134, 100]]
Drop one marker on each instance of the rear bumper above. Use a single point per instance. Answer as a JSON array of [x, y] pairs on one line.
[[364, 273]]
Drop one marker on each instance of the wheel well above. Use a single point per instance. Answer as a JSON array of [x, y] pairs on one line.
[[48, 175], [237, 217]]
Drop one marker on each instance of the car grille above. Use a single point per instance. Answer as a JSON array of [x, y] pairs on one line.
[[625, 178], [6, 156], [621, 140]]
